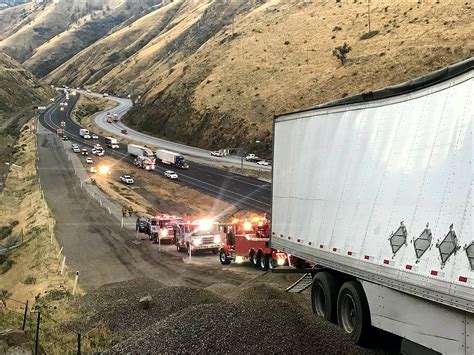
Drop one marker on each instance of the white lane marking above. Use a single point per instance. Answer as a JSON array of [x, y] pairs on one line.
[[245, 197]]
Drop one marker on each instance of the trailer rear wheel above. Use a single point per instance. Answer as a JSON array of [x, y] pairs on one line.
[[223, 257], [324, 292], [353, 312], [264, 261]]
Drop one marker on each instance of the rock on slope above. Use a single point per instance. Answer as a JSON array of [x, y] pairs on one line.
[[213, 73]]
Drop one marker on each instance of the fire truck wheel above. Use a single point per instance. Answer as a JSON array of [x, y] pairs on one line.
[[254, 258], [324, 292], [353, 314], [223, 258], [263, 261]]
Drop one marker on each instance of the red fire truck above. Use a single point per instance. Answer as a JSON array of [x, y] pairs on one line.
[[162, 226], [249, 239]]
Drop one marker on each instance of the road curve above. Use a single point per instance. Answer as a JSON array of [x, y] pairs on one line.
[[244, 192], [115, 128]]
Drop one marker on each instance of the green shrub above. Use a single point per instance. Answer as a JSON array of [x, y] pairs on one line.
[[29, 280]]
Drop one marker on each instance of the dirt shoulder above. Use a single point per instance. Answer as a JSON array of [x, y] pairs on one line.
[[152, 194], [31, 272]]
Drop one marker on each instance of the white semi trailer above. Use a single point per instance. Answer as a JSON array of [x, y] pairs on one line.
[[374, 192], [138, 150]]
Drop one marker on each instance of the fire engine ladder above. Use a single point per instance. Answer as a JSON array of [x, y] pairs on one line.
[[302, 284]]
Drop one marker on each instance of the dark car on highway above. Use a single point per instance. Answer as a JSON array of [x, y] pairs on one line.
[[124, 131]]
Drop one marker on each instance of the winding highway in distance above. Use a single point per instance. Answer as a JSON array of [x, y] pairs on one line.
[[115, 128], [244, 192]]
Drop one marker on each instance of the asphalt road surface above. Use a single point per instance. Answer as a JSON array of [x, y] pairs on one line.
[[95, 244], [115, 128], [244, 192]]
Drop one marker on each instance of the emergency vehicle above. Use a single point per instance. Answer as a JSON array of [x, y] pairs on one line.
[[200, 235], [249, 239], [163, 226]]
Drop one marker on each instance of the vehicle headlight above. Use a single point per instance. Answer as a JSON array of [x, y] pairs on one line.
[[164, 232], [217, 239], [281, 262], [197, 241], [239, 259]]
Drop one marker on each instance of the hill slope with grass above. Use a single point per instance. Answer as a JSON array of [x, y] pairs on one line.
[[43, 36], [213, 73], [18, 88]]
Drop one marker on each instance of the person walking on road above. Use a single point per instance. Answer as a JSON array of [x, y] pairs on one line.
[[124, 212], [130, 211]]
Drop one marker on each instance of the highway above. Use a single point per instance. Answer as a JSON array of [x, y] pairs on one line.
[[244, 192], [115, 128]]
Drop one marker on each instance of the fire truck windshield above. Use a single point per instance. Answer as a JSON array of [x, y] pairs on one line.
[[200, 230]]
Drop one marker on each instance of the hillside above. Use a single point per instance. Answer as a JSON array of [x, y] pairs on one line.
[[213, 73], [19, 89], [42, 36]]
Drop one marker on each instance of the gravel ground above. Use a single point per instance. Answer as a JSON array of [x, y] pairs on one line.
[[243, 327], [116, 306]]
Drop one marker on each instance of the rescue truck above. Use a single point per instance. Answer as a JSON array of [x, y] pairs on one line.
[[146, 163], [249, 240], [200, 235], [163, 226]]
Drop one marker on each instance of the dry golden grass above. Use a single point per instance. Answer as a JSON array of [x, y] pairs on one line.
[[273, 58], [86, 107], [153, 194], [22, 202]]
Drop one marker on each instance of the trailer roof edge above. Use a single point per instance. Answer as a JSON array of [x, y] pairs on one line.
[[416, 84]]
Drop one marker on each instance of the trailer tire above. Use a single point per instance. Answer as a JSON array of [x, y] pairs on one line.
[[223, 257], [324, 292], [353, 314], [264, 261]]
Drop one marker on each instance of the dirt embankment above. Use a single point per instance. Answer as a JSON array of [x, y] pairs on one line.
[[86, 107], [152, 194], [29, 272], [257, 316]]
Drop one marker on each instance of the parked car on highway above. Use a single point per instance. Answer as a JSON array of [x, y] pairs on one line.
[[65, 138], [171, 174], [89, 160], [105, 94], [127, 179], [84, 151], [263, 162], [62, 108], [94, 136], [99, 152], [216, 153], [124, 131], [76, 149]]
